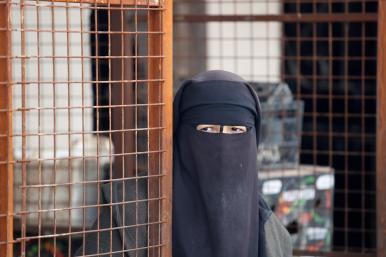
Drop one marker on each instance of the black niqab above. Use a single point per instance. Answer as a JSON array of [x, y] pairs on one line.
[[215, 190]]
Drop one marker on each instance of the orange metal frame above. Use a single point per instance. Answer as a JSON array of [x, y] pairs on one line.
[[381, 131], [117, 2], [6, 172], [158, 68], [158, 91]]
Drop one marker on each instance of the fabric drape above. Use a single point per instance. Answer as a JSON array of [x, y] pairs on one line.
[[215, 187]]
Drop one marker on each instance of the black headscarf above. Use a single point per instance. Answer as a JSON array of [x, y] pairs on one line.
[[215, 187]]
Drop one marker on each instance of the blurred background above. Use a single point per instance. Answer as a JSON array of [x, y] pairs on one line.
[[313, 64]]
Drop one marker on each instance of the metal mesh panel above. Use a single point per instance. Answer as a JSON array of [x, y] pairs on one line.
[[89, 121], [313, 64]]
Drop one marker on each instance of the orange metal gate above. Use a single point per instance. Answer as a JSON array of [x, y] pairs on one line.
[[85, 103]]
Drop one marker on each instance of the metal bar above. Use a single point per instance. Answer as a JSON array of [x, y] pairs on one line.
[[69, 115], [98, 114], [115, 2], [24, 226], [155, 92], [282, 18], [345, 119], [39, 130], [167, 137], [6, 153], [381, 131]]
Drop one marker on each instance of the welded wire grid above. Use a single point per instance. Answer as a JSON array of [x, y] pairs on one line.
[[87, 113], [324, 51]]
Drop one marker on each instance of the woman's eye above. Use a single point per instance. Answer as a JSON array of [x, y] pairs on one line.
[[234, 129], [209, 128]]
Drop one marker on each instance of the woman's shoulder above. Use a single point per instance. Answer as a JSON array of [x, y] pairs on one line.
[[276, 240]]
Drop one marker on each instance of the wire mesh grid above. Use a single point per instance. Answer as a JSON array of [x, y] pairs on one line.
[[313, 64], [86, 129]]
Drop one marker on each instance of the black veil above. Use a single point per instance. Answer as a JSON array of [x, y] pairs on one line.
[[215, 184]]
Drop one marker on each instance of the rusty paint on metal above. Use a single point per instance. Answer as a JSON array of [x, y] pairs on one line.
[[160, 92], [381, 131], [155, 119], [6, 151], [115, 2], [167, 138]]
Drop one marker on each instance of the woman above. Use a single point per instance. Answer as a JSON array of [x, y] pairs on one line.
[[217, 211], [216, 207]]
